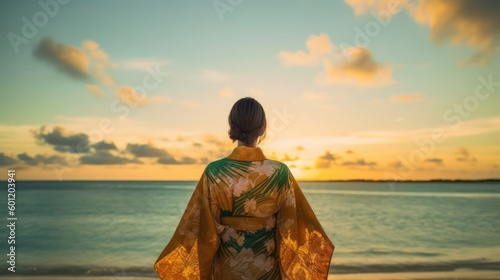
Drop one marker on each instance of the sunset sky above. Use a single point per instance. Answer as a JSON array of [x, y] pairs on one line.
[[355, 89]]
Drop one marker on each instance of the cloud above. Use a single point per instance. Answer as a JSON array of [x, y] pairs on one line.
[[473, 23], [188, 160], [212, 139], [396, 164], [97, 53], [463, 152], [64, 141], [326, 160], [360, 69], [103, 145], [146, 150], [171, 160], [130, 96], [214, 76], [95, 90], [69, 59], [317, 47], [198, 145], [226, 92], [359, 162], [223, 146], [362, 7], [167, 160], [436, 161], [407, 97], [286, 157], [101, 62], [40, 159], [105, 157], [161, 155], [87, 62], [464, 155], [312, 95], [5, 160]]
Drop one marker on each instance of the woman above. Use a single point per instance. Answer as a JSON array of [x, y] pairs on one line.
[[247, 218]]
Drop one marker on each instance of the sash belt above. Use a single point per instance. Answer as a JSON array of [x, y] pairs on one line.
[[244, 223]]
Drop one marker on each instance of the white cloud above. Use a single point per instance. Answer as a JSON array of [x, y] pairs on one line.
[[473, 23], [87, 62], [130, 96], [317, 47], [360, 69], [101, 62]]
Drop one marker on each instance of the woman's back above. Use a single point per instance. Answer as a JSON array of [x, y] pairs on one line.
[[245, 196], [247, 217]]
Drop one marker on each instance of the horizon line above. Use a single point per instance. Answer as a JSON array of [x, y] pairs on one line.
[[305, 181]]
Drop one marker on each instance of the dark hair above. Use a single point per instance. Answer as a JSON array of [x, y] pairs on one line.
[[247, 120]]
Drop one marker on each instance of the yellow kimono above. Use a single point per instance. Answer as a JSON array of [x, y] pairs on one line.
[[247, 219]]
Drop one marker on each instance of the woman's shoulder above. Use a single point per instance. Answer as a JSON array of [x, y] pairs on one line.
[[277, 163], [225, 162]]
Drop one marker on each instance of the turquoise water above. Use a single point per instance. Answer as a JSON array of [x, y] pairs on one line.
[[119, 228]]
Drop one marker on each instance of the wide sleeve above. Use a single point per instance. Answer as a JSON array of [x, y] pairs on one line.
[[304, 249], [191, 251]]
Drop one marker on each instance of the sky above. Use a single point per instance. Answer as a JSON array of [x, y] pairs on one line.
[[354, 89]]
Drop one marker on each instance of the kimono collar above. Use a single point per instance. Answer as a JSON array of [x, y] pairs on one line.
[[247, 153]]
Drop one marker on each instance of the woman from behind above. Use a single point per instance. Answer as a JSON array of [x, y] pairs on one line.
[[247, 218]]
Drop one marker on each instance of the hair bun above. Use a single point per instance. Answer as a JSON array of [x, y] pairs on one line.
[[237, 134]]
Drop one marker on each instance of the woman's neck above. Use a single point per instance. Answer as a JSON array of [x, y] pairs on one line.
[[253, 145]]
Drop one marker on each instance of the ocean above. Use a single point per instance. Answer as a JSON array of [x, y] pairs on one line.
[[118, 228]]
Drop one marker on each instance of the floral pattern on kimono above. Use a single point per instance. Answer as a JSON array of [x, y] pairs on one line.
[[247, 219]]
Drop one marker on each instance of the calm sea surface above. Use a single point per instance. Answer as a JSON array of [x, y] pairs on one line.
[[119, 228]]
